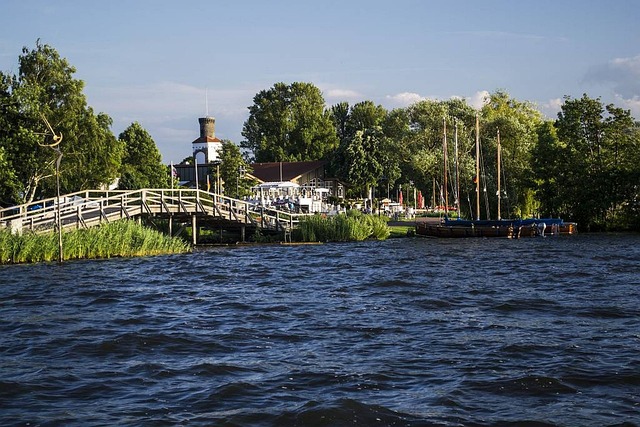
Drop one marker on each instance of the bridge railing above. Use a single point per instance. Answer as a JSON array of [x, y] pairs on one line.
[[216, 205], [43, 213], [86, 208]]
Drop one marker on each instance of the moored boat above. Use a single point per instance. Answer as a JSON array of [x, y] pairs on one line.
[[506, 228], [511, 229]]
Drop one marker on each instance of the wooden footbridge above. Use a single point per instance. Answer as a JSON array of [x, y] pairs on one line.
[[180, 207]]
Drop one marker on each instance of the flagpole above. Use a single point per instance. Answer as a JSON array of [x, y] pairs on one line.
[[195, 165]]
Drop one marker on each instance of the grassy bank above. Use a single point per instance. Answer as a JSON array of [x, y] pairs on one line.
[[402, 230], [117, 239], [353, 226]]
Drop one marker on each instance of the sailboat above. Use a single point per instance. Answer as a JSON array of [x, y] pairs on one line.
[[505, 228]]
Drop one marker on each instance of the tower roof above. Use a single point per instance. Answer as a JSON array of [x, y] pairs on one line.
[[205, 139]]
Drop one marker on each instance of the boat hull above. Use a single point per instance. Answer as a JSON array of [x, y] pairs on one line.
[[461, 231], [510, 230]]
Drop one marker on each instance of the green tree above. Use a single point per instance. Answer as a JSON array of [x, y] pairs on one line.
[[395, 127], [234, 171], [361, 159], [289, 123], [518, 123], [142, 163], [9, 186], [7, 181], [422, 147], [601, 153], [45, 88], [548, 167], [361, 156], [339, 116]]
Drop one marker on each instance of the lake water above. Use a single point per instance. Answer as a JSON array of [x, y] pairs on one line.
[[413, 332]]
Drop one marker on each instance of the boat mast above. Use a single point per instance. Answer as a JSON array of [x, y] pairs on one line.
[[499, 217], [444, 149], [434, 194], [477, 168], [455, 121]]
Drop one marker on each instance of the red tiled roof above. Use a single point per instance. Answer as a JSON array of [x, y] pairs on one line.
[[270, 172], [205, 139]]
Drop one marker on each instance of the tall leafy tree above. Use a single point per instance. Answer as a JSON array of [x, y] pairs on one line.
[[45, 88], [601, 150], [340, 115], [360, 157], [518, 123], [289, 123], [423, 146], [549, 168], [142, 162], [234, 171], [393, 156], [9, 186]]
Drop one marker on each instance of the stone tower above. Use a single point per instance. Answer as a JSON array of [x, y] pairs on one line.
[[207, 148]]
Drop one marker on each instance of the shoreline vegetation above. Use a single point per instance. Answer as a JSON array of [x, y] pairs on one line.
[[118, 239], [129, 239], [349, 227]]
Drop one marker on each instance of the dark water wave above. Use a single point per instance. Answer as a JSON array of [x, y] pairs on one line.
[[538, 332]]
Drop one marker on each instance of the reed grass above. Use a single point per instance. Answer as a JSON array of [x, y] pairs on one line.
[[353, 226], [117, 239]]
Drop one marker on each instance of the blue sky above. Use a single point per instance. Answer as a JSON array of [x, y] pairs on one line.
[[157, 62]]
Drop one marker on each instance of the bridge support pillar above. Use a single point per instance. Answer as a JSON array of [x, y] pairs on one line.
[[171, 225], [242, 233]]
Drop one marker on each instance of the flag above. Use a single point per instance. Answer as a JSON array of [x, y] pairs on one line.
[[400, 197]]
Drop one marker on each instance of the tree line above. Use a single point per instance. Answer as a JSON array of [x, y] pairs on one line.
[[45, 91], [583, 166]]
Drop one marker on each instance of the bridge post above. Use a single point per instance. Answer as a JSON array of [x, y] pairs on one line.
[[143, 201], [194, 230], [242, 233], [170, 225]]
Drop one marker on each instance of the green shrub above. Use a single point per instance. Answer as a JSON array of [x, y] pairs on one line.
[[352, 226]]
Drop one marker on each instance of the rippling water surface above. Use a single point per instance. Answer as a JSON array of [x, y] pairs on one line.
[[402, 332]]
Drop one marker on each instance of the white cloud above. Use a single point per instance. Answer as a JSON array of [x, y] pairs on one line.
[[338, 95], [623, 73], [552, 107], [404, 99], [632, 104], [478, 99]]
